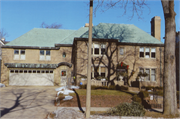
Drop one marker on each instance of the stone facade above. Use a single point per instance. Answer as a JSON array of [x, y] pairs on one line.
[[112, 57], [32, 56]]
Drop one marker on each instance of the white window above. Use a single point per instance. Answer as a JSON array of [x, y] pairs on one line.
[[98, 49], [147, 53], [121, 51], [153, 52], [148, 76], [19, 54], [45, 55], [141, 52], [153, 75], [98, 71]]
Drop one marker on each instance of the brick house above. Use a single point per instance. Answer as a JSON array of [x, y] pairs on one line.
[[53, 56]]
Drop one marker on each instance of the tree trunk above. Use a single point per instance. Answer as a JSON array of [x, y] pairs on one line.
[[169, 82]]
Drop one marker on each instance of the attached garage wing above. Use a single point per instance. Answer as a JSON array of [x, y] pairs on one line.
[[31, 77]]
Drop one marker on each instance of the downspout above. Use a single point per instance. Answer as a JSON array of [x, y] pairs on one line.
[[160, 49]]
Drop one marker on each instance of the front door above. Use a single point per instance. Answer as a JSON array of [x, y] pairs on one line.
[[63, 77]]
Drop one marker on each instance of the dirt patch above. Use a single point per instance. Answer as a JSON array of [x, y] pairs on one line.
[[96, 101]]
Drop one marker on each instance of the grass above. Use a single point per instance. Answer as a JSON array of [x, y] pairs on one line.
[[101, 92], [147, 114], [158, 115]]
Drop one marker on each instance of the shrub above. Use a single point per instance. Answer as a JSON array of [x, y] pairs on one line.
[[127, 109], [159, 88], [143, 94], [101, 87], [82, 86], [149, 87], [112, 87], [135, 98], [123, 87]]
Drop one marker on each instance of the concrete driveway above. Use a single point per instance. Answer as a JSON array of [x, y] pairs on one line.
[[26, 102]]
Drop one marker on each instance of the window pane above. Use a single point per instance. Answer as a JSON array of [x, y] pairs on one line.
[[147, 49], [38, 71], [51, 71], [16, 51], [141, 49], [96, 51], [12, 71], [96, 46], [103, 69], [47, 71], [29, 71], [147, 77], [147, 55], [16, 71], [141, 54], [41, 52], [63, 73], [102, 74], [22, 52], [47, 52], [42, 71], [25, 71], [34, 71], [21, 71], [121, 51], [153, 54], [153, 49], [103, 51], [153, 75]]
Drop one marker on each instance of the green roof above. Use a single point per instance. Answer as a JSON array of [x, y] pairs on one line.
[[126, 33], [43, 37]]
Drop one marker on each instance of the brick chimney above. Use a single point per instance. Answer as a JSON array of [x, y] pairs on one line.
[[156, 27]]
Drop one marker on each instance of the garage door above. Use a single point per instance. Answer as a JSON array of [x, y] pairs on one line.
[[31, 77]]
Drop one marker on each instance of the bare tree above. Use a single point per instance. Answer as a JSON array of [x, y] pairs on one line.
[[135, 6], [170, 101], [3, 33], [53, 26]]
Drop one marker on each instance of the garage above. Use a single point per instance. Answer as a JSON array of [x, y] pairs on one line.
[[31, 77]]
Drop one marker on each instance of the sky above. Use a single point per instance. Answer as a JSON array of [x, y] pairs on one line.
[[19, 17]]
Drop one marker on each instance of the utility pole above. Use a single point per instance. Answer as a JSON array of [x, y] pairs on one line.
[[88, 89]]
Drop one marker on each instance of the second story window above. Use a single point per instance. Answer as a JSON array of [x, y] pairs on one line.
[[147, 52], [98, 49], [141, 52], [153, 52], [121, 51], [45, 55], [19, 54]]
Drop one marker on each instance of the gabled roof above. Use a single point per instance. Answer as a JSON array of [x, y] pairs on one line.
[[125, 33]]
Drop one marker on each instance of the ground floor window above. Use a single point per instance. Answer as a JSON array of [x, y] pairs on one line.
[[151, 74], [97, 71], [30, 71]]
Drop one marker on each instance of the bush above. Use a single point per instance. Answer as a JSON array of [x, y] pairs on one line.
[[143, 94], [149, 87], [82, 86], [135, 98], [127, 109], [112, 87], [159, 88], [123, 88]]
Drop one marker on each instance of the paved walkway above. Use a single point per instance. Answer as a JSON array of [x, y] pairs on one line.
[[26, 102]]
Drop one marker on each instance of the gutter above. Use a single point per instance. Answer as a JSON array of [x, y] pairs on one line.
[[31, 47]]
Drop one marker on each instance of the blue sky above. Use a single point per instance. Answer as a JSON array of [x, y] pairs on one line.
[[19, 17]]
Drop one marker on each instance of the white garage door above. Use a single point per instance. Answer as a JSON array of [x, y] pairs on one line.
[[31, 77]]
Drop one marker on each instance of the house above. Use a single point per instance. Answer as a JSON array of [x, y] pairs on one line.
[[54, 56], [177, 58], [2, 42]]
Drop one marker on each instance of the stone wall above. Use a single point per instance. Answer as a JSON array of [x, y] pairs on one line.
[[32, 56]]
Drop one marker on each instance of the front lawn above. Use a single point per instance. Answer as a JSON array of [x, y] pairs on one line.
[[99, 98]]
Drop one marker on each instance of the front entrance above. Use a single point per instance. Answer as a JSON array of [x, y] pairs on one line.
[[63, 77]]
